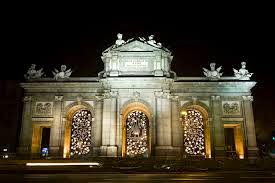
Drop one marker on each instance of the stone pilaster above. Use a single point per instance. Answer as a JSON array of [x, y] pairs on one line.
[[55, 137], [109, 122], [26, 128], [218, 128], [251, 145]]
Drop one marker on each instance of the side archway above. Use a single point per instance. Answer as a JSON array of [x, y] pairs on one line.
[[135, 112], [85, 112], [198, 116]]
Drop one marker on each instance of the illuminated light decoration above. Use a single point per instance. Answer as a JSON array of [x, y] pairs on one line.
[[137, 134], [193, 133], [81, 134], [64, 164]]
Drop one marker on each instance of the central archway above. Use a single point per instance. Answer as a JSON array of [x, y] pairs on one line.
[[137, 134], [196, 128], [78, 130], [136, 130]]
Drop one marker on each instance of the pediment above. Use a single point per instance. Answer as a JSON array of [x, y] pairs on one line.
[[136, 46]]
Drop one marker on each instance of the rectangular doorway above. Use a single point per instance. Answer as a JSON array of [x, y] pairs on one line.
[[233, 141], [40, 139], [45, 141]]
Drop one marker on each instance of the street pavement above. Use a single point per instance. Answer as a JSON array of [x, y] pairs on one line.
[[81, 177]]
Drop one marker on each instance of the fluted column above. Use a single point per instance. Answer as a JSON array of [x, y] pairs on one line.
[[26, 128], [218, 128], [55, 137], [252, 150]]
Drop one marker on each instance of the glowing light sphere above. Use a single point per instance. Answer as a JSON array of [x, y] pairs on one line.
[[193, 133], [81, 133], [136, 134]]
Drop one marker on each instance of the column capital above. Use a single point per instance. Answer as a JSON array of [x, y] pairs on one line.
[[58, 97], [163, 94], [99, 98], [27, 98], [158, 93], [248, 98], [110, 94], [174, 98], [215, 97]]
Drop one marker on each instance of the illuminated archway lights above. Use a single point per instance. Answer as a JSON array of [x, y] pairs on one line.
[[193, 132], [81, 133], [136, 134]]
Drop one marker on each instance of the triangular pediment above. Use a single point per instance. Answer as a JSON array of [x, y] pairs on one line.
[[136, 45]]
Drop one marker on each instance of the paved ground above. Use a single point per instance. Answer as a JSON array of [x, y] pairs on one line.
[[230, 176]]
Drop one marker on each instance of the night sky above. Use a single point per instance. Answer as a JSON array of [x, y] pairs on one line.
[[50, 40]]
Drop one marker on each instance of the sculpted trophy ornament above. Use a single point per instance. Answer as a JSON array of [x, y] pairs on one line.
[[33, 73], [213, 73], [63, 73], [243, 73]]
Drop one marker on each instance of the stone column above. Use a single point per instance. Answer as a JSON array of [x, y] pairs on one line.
[[177, 136], [163, 123], [109, 122], [55, 137], [252, 150], [26, 128], [97, 126], [218, 128]]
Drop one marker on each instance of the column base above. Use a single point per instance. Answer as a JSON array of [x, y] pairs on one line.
[[109, 151], [220, 153], [252, 152], [167, 152], [23, 149], [55, 152], [24, 152], [96, 151]]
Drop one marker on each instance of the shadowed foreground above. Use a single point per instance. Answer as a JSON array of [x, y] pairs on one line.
[[252, 176]]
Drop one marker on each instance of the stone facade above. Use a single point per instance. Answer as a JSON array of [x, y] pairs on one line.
[[137, 77]]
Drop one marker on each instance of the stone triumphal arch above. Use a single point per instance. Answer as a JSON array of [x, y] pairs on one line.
[[139, 107]]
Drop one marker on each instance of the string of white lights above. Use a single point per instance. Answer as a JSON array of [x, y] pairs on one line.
[[136, 130], [81, 133], [193, 133]]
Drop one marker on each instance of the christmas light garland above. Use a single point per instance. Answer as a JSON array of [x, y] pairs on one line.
[[136, 134], [193, 132], [81, 134]]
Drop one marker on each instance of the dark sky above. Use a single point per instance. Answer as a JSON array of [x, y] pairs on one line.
[[51, 39]]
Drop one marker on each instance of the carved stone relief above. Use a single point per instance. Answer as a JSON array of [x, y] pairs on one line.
[[231, 107], [43, 108]]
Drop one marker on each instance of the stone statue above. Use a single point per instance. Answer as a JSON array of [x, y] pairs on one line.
[[119, 40], [243, 73], [152, 42], [63, 73], [213, 73], [33, 73]]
